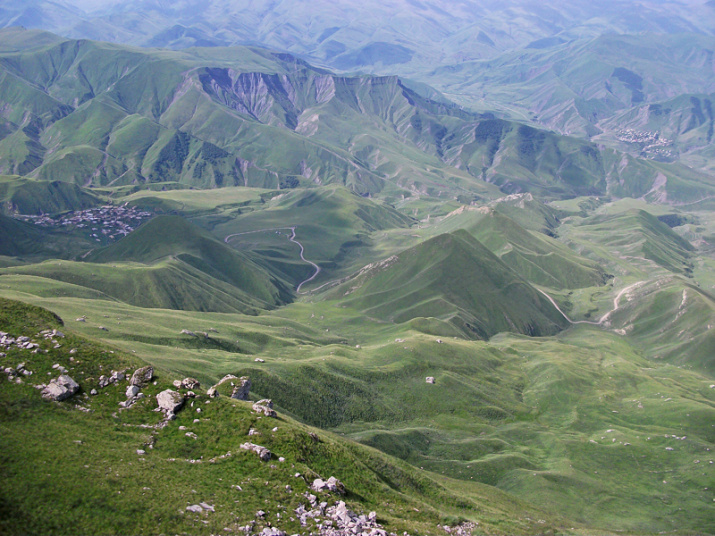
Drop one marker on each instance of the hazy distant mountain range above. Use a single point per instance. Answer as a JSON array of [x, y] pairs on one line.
[[590, 69]]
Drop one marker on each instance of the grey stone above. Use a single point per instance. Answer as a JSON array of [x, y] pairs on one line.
[[194, 508], [207, 506], [190, 383], [116, 376], [142, 376], [170, 401], [332, 484], [429, 379], [262, 452], [265, 406], [132, 391], [60, 388], [213, 391], [241, 389]]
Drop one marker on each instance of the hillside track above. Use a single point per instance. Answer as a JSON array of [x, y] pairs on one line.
[[605, 317], [292, 239]]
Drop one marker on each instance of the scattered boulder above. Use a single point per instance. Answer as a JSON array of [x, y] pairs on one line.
[[170, 401], [213, 391], [272, 531], [142, 376], [332, 484], [429, 379], [117, 376], [241, 389], [190, 383], [194, 508], [132, 391], [262, 452], [60, 388], [265, 406]]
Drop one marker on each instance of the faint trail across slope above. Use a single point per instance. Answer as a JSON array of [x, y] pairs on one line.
[[605, 316], [292, 239]]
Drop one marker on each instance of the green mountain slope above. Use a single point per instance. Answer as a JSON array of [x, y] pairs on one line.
[[673, 320], [633, 235], [21, 195], [455, 279], [104, 115], [31, 242], [127, 459], [536, 257], [170, 263], [176, 238]]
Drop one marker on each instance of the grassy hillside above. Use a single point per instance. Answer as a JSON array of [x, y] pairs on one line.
[[535, 416], [31, 242], [20, 195], [455, 279], [95, 480], [631, 238], [536, 257], [171, 263]]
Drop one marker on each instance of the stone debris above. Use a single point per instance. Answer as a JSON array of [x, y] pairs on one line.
[[187, 332], [60, 388], [338, 520], [262, 452], [142, 376], [116, 376], [272, 531], [265, 406], [170, 401], [190, 383], [463, 529], [23, 343], [429, 379], [259, 360], [332, 485]]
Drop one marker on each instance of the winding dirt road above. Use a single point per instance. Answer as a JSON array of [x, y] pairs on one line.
[[292, 239], [605, 316]]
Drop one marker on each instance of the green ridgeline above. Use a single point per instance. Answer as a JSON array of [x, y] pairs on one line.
[[454, 278]]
